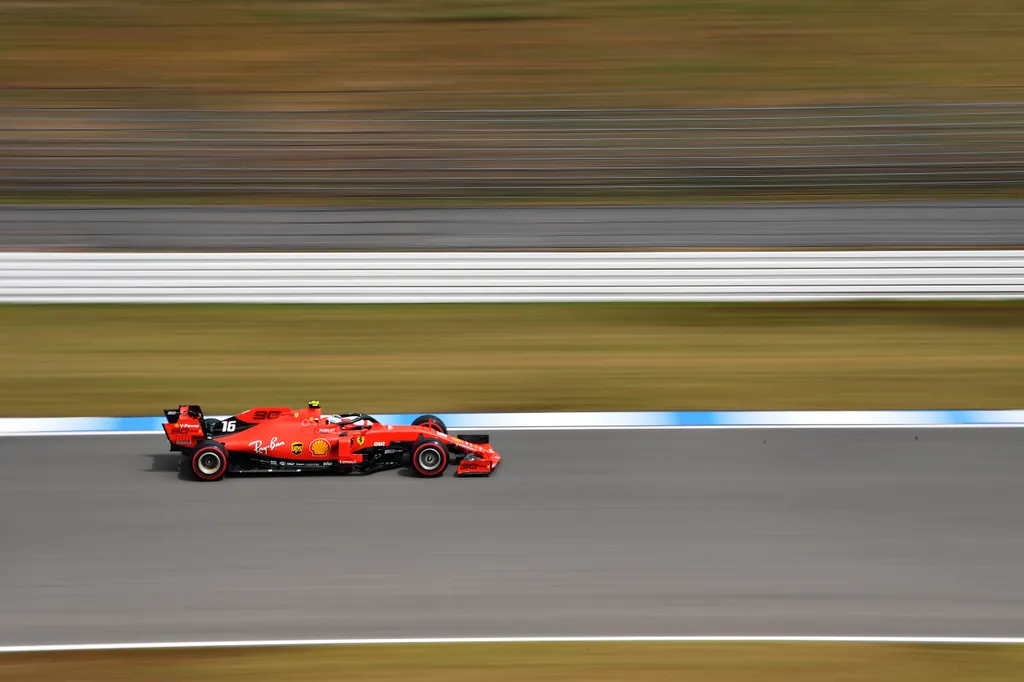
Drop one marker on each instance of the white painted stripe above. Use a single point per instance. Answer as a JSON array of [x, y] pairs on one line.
[[412, 277], [566, 421], [614, 427], [58, 434], [507, 640], [724, 427]]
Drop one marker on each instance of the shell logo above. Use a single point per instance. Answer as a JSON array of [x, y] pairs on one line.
[[319, 447]]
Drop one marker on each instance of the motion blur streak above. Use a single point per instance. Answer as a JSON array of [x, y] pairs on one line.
[[499, 154], [885, 533], [880, 225], [467, 277]]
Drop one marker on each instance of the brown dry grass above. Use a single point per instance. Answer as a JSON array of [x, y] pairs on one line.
[[136, 360], [739, 51]]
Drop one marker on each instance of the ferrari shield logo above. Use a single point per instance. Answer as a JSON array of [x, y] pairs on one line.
[[360, 440], [296, 448]]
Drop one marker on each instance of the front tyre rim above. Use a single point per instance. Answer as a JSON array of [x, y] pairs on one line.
[[430, 459], [209, 463]]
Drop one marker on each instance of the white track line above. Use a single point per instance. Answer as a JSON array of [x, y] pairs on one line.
[[501, 640], [623, 427], [733, 427]]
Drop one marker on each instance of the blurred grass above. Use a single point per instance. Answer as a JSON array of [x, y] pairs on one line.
[[136, 360], [592, 662], [707, 51]]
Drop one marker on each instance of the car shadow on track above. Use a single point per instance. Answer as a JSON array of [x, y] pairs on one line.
[[170, 463]]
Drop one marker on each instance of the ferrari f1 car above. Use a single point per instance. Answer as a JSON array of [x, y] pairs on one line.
[[272, 439]]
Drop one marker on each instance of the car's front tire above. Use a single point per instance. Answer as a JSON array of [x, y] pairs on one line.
[[209, 461], [431, 422], [430, 458]]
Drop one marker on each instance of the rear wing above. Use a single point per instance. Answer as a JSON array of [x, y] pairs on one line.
[[185, 427]]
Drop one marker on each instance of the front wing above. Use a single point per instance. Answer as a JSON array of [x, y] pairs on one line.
[[478, 466], [479, 459]]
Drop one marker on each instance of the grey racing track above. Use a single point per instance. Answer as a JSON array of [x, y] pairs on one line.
[[879, 225], [749, 532]]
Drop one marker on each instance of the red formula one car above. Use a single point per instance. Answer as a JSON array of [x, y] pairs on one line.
[[271, 439]]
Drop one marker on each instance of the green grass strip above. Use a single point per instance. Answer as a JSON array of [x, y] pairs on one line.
[[135, 360], [598, 662]]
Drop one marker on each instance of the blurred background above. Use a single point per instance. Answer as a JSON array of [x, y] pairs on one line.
[[480, 101], [462, 125]]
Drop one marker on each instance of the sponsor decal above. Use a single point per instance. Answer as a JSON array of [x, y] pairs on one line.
[[187, 426], [296, 448], [305, 422], [326, 430], [467, 445], [380, 443], [260, 415], [319, 447], [261, 449], [360, 440]]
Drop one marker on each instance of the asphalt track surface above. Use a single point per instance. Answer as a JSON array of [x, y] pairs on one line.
[[899, 532], [896, 225]]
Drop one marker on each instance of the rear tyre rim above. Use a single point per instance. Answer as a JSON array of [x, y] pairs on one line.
[[208, 463], [430, 459]]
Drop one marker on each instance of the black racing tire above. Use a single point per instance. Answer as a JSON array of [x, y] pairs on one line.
[[430, 458], [431, 422], [208, 461]]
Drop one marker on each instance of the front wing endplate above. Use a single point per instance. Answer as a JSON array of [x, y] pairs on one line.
[[477, 467]]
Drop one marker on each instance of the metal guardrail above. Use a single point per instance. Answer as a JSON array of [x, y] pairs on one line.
[[326, 151], [508, 277]]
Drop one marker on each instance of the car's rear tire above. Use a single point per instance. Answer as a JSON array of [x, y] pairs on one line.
[[431, 422], [430, 458], [209, 461]]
